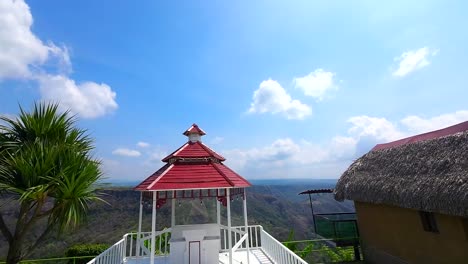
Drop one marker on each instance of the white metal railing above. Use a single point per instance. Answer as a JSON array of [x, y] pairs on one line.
[[144, 247], [240, 242], [237, 235], [277, 252], [130, 246], [114, 254]]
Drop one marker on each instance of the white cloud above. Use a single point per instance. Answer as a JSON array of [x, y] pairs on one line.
[[154, 157], [289, 158], [299, 159], [288, 153], [154, 154], [88, 99], [125, 170], [62, 56], [342, 147], [273, 155], [270, 97], [382, 130], [20, 49], [316, 84], [369, 131], [142, 144], [373, 127], [281, 149], [416, 124], [413, 60], [157, 155], [126, 152], [23, 56]]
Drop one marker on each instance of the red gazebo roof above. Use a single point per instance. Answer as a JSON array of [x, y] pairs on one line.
[[194, 150], [193, 166]]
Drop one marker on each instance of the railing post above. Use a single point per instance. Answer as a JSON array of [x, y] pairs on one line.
[[139, 226], [131, 245], [357, 254], [247, 244], [218, 212], [228, 199], [256, 236], [173, 208], [153, 230], [334, 230], [160, 240]]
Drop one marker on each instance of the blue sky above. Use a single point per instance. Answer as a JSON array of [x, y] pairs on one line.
[[284, 89]]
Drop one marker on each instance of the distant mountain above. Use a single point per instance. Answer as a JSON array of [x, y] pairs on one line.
[[317, 183], [275, 205]]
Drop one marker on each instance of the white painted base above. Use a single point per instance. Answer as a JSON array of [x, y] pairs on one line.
[[195, 244], [256, 257]]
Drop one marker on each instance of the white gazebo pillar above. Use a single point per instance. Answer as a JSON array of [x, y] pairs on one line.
[[153, 229], [139, 226], [228, 197], [173, 206], [247, 242], [218, 211]]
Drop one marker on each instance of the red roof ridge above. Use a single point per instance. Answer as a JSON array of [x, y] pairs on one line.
[[175, 152], [181, 153], [208, 149], [237, 174], [424, 136], [180, 149], [222, 174], [144, 184], [160, 176]]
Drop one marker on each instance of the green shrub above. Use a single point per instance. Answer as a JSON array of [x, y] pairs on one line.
[[85, 250]]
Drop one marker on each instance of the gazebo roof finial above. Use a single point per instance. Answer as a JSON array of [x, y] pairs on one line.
[[194, 133], [194, 129]]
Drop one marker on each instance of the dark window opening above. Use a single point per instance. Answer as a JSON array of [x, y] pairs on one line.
[[465, 226], [428, 222]]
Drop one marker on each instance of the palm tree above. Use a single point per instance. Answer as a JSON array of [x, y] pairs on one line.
[[46, 166]]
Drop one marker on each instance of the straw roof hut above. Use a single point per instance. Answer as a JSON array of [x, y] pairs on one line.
[[427, 172]]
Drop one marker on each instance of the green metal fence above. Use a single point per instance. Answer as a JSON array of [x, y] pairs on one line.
[[340, 227], [323, 251]]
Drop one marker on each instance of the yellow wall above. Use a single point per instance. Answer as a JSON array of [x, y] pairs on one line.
[[395, 235]]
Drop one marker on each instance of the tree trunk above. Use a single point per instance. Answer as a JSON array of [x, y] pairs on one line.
[[16, 244], [14, 252]]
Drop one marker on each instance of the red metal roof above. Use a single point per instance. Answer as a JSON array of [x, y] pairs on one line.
[[194, 129], [194, 150], [188, 175], [193, 166], [430, 135]]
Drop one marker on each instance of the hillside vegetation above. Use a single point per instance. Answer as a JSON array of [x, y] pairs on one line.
[[278, 208]]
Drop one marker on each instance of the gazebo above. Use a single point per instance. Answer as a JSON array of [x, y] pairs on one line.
[[194, 171]]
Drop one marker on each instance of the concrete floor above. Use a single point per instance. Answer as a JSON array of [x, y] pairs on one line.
[[256, 257]]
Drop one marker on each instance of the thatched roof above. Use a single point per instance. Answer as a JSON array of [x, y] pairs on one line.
[[429, 175]]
